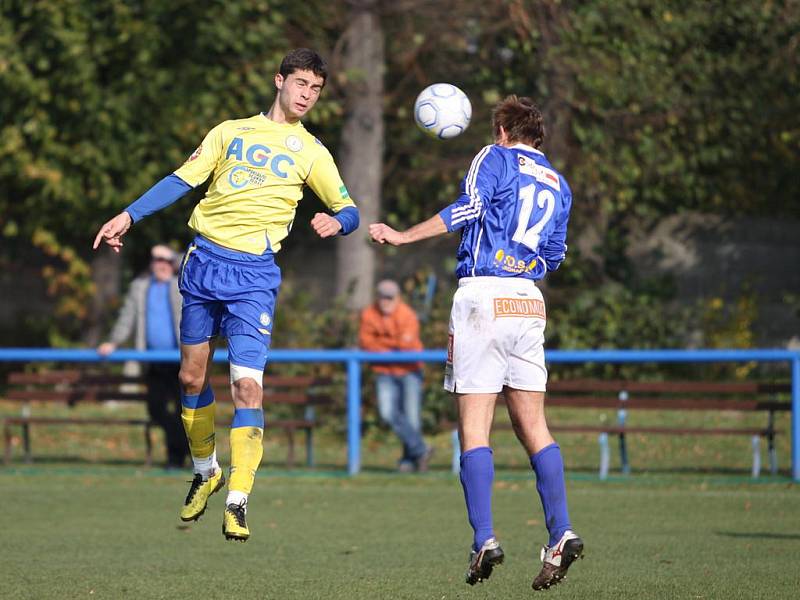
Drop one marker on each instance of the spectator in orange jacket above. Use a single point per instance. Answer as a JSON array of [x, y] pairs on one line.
[[391, 324]]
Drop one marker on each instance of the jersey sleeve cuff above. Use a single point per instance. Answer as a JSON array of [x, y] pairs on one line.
[[135, 216], [447, 216], [349, 219]]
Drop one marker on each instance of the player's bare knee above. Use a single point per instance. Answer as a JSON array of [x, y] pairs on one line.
[[247, 393], [530, 432], [247, 386], [191, 379]]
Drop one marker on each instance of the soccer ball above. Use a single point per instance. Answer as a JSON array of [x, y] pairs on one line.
[[442, 110]]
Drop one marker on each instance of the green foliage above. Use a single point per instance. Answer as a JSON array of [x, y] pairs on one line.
[[614, 316], [669, 104], [654, 108], [730, 325], [105, 98], [70, 284], [102, 99]]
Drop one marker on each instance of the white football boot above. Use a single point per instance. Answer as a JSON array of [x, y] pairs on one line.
[[483, 561], [557, 559]]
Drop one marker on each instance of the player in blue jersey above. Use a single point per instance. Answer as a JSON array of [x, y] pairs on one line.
[[229, 280], [512, 214]]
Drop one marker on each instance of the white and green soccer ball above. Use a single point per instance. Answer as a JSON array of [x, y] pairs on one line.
[[442, 110]]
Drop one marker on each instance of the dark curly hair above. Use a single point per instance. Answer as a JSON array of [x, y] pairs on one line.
[[304, 59], [521, 119]]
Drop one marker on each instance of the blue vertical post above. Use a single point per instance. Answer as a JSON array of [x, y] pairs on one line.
[[622, 415], [353, 416], [605, 455], [796, 418], [455, 464]]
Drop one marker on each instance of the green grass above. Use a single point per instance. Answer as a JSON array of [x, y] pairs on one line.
[[85, 521], [112, 532]]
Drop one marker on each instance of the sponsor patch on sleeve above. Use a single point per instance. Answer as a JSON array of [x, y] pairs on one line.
[[196, 153]]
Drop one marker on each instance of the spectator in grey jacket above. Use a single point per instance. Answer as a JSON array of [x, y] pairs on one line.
[[152, 312]]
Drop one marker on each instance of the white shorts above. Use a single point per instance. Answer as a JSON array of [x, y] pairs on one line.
[[496, 336]]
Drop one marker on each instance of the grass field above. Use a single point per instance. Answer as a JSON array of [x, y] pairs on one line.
[[112, 532], [86, 521]]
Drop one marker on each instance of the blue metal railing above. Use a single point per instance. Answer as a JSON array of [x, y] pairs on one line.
[[353, 359]]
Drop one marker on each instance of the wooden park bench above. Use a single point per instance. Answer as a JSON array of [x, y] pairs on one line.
[[83, 386], [70, 387], [626, 396], [297, 393]]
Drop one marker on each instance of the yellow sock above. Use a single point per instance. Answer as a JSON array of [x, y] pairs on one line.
[[197, 414], [247, 436]]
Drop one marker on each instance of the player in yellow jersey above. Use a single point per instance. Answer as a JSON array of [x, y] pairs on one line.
[[229, 280]]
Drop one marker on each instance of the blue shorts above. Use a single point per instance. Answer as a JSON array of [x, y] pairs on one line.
[[229, 293]]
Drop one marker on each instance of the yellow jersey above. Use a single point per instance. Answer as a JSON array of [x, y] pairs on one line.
[[259, 170]]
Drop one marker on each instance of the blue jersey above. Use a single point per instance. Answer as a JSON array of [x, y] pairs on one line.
[[513, 209]]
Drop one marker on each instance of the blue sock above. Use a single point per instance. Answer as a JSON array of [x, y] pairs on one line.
[[549, 468], [248, 417], [477, 475]]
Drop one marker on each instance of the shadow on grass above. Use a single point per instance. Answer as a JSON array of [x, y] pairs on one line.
[[761, 535]]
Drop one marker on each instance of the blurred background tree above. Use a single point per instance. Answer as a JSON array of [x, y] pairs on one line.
[[653, 108]]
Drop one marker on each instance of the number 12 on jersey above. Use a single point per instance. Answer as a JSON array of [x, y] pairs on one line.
[[545, 199]]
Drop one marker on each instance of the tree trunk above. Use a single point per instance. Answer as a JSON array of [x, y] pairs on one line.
[[361, 152], [106, 268], [552, 18]]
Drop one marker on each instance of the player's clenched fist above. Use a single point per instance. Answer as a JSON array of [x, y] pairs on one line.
[[113, 231], [325, 225], [383, 234]]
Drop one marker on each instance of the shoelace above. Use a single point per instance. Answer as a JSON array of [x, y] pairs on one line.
[[196, 483], [543, 553], [237, 510]]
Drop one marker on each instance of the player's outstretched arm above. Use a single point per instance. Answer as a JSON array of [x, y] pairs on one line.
[[162, 194], [383, 234], [112, 231]]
